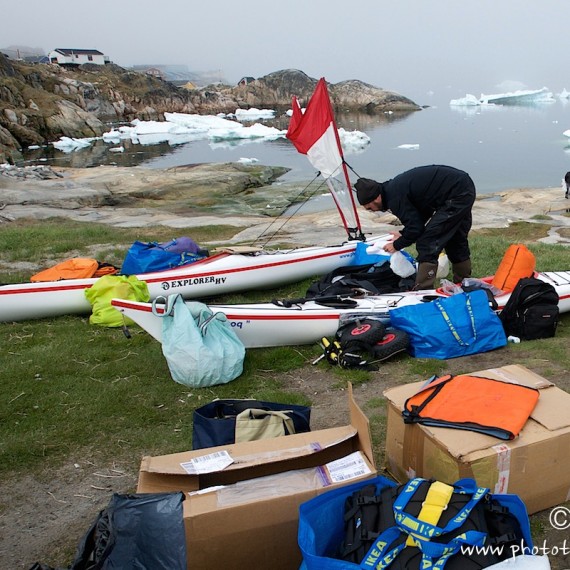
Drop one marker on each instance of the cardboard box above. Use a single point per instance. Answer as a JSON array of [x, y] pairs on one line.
[[252, 520], [535, 465]]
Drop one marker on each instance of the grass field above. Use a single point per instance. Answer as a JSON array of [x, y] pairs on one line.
[[72, 389]]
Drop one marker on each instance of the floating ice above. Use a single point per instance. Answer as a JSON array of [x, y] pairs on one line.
[[353, 142], [516, 97], [68, 144], [512, 98], [180, 128], [253, 114], [468, 100], [409, 146]]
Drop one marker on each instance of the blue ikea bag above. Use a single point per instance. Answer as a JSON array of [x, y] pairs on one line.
[[153, 256], [321, 523], [200, 347], [448, 327], [321, 526]]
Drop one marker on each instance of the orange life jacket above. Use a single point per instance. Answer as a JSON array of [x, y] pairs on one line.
[[518, 262], [75, 268], [105, 269], [473, 403]]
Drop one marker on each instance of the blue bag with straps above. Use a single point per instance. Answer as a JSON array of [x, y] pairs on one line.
[[153, 256], [464, 519], [448, 327]]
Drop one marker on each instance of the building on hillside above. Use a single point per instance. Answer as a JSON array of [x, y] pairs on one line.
[[189, 86], [155, 72], [245, 81], [75, 56]]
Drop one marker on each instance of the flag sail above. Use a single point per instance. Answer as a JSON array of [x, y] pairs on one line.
[[315, 134]]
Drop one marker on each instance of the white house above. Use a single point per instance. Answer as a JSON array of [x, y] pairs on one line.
[[64, 56]]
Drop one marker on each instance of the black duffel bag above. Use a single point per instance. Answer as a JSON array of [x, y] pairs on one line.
[[224, 422]]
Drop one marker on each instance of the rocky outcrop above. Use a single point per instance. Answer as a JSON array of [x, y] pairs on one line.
[[276, 89], [39, 103]]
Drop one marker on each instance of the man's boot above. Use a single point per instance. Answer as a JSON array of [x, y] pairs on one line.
[[425, 277], [461, 270]]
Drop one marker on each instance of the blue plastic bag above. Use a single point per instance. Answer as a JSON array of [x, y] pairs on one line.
[[152, 256], [449, 327], [199, 346], [363, 258]]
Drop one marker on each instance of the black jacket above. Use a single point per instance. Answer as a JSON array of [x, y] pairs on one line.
[[416, 194]]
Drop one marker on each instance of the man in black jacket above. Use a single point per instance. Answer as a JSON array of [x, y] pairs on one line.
[[433, 203]]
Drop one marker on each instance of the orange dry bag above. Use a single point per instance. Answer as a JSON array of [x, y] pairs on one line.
[[474, 403], [75, 268], [518, 262]]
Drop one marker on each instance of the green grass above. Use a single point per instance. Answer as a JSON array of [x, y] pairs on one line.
[[55, 239], [68, 385]]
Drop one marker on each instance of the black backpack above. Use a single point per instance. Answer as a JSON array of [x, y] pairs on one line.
[[368, 513], [532, 310], [352, 279]]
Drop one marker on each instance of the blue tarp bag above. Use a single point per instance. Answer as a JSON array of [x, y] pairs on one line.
[[448, 327], [322, 525], [200, 347], [153, 256]]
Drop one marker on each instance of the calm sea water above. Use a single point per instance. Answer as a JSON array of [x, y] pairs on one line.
[[501, 147]]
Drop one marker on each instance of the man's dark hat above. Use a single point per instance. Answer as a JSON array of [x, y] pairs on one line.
[[367, 190]]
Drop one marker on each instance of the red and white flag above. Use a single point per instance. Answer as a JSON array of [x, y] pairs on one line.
[[315, 134]]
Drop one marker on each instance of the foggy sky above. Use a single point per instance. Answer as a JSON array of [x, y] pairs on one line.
[[414, 47]]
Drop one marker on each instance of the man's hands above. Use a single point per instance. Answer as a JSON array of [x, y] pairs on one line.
[[389, 247]]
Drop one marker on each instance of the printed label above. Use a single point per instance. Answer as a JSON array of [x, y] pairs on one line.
[[347, 468], [207, 463], [166, 285]]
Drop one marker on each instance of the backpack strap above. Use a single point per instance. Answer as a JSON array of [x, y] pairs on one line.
[[434, 504], [434, 555]]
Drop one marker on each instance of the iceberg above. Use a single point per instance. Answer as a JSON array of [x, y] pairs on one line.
[[512, 98], [181, 128], [467, 101], [69, 144], [253, 114], [518, 97], [353, 142]]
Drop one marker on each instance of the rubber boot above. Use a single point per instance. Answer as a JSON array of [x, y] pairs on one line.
[[425, 277], [461, 270]]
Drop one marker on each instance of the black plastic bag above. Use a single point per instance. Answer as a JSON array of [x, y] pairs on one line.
[[134, 531]]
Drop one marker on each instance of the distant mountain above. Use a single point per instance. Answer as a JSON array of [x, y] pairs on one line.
[[21, 52]]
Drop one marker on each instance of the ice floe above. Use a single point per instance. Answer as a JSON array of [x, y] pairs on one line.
[[520, 97], [220, 131]]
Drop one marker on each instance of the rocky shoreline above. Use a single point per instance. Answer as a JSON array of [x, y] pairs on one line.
[[41, 102], [248, 197]]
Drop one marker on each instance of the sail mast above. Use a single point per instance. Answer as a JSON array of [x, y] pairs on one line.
[[315, 134]]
